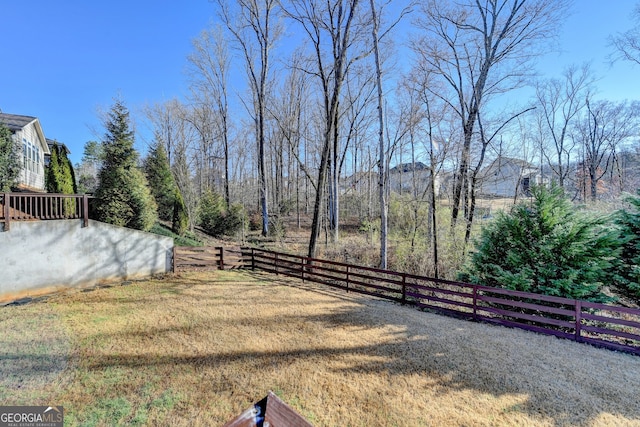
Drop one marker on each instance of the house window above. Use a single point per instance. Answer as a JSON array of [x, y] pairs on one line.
[[29, 156]]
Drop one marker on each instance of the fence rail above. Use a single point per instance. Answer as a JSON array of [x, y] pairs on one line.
[[32, 206], [602, 325], [207, 257]]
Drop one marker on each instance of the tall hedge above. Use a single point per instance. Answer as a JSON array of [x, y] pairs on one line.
[[60, 177]]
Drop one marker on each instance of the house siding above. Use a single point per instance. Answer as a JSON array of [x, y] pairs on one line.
[[32, 151]]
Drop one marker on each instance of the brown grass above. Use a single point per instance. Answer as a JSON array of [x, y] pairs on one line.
[[199, 348]]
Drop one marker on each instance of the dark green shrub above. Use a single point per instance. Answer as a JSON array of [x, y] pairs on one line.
[[546, 246], [628, 268], [215, 218]]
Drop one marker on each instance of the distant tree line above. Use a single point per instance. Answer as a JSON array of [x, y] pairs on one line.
[[322, 122]]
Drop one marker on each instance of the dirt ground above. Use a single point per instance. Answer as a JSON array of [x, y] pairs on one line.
[[198, 348]]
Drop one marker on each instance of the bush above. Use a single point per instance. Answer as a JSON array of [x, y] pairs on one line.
[[627, 277], [546, 247], [216, 219]]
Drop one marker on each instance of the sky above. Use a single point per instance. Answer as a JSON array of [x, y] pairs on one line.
[[65, 60]]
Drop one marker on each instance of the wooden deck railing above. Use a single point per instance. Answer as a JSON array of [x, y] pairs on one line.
[[33, 206], [602, 325]]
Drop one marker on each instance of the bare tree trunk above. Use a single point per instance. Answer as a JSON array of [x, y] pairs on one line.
[[382, 182]]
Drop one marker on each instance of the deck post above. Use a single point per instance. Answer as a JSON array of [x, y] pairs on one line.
[[7, 211]]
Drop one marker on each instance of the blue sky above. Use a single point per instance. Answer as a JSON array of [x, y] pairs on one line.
[[63, 60]]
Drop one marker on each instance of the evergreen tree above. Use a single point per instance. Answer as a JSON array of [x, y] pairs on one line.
[[180, 222], [9, 160], [59, 177], [123, 196], [546, 247], [161, 182], [628, 268], [215, 218]]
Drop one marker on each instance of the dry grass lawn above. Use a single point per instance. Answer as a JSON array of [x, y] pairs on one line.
[[198, 348]]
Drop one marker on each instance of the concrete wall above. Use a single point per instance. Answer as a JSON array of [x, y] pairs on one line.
[[43, 256]]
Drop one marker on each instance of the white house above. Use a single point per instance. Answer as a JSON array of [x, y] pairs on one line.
[[28, 134], [506, 177]]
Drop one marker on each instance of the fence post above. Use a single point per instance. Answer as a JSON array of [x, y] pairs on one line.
[[221, 249], [85, 210], [404, 289], [253, 259], [302, 268], [578, 305], [173, 260], [275, 262], [7, 211], [475, 302], [347, 277]]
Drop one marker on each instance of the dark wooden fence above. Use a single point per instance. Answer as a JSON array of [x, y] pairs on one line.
[[207, 257], [608, 326], [33, 206]]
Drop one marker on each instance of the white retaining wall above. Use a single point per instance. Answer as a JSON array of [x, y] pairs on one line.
[[44, 256]]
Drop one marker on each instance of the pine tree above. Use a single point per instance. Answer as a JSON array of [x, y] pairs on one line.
[[628, 268], [546, 247], [161, 182], [123, 196], [215, 218], [9, 160]]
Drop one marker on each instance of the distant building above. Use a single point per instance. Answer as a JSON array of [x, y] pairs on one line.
[[401, 178], [50, 144], [28, 134], [508, 177]]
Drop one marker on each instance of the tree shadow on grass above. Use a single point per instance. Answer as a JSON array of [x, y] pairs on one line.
[[570, 383]]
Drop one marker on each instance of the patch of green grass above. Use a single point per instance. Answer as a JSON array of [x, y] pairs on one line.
[[111, 411], [189, 239]]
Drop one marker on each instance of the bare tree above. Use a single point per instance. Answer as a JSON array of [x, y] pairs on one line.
[[627, 44], [166, 121], [210, 65], [333, 27], [603, 128], [255, 30], [559, 102], [288, 113], [480, 49]]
